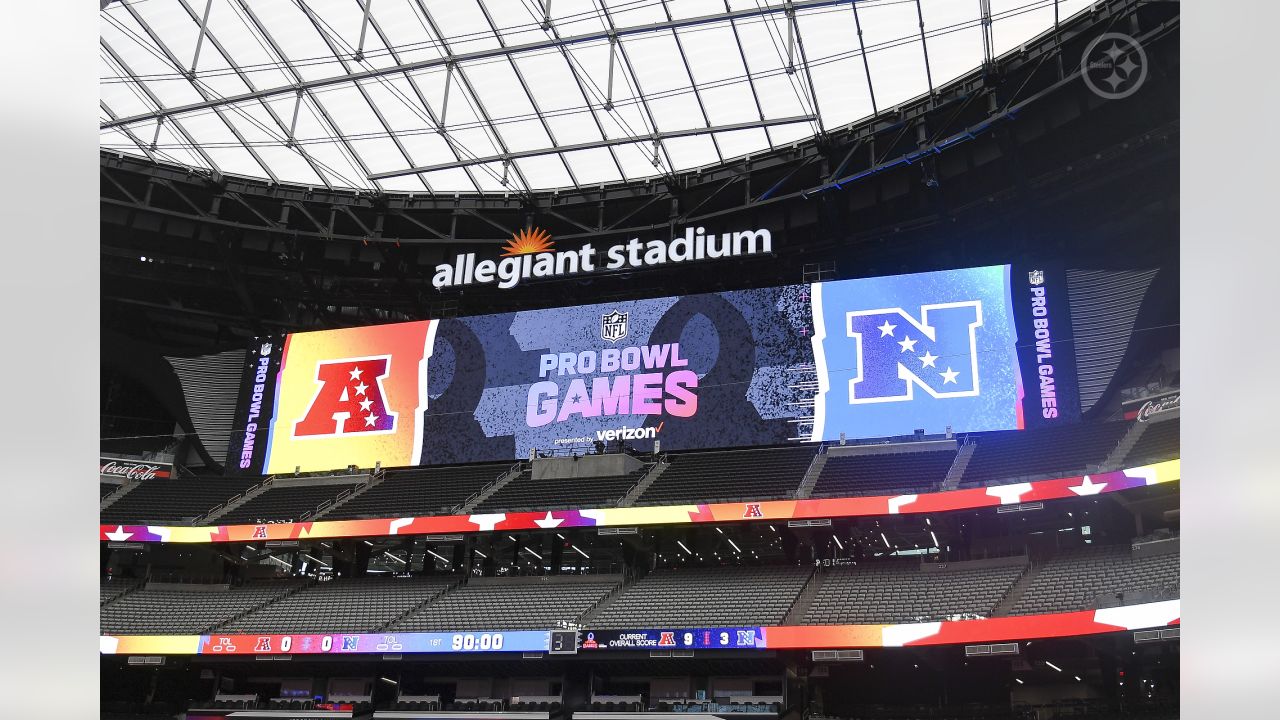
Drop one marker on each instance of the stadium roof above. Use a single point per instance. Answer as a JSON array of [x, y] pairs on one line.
[[444, 96]]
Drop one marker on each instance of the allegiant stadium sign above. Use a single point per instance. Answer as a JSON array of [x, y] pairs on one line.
[[531, 254]]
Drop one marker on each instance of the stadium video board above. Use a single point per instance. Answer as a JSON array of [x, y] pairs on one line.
[[871, 357]]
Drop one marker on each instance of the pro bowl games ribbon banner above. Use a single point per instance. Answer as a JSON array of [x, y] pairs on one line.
[[799, 637], [867, 357], [870, 506]]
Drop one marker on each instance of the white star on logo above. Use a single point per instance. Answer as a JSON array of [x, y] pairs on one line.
[[1087, 487], [355, 374], [908, 344], [361, 388], [927, 359], [949, 376], [119, 535], [548, 521], [365, 404], [370, 419], [887, 329]]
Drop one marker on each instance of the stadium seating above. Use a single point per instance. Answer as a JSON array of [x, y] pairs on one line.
[[1159, 441], [111, 588], [898, 591], [343, 605], [174, 500], [420, 491], [758, 474], [511, 603], [1063, 450], [526, 493], [883, 474], [712, 596], [187, 610], [105, 489], [283, 504], [1076, 579]]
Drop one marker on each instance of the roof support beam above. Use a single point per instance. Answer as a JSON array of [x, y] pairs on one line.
[[596, 144], [601, 35]]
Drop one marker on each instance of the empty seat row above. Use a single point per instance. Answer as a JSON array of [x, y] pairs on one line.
[[897, 473], [1063, 450], [756, 474], [527, 493], [188, 610], [174, 500], [724, 596], [513, 605], [904, 591], [1076, 579], [1159, 441], [284, 503], [409, 492], [342, 605]]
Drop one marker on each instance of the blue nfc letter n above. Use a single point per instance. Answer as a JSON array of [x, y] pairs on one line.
[[896, 353]]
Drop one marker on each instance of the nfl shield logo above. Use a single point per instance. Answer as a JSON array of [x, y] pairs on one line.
[[265, 350], [1036, 277], [613, 326]]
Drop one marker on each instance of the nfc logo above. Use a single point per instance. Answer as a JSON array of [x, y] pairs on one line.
[[895, 353]]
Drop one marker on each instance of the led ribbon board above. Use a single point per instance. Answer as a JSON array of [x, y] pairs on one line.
[[870, 357], [329, 644], [799, 637], [776, 510]]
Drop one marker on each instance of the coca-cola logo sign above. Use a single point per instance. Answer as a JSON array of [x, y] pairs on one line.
[[132, 469], [1143, 410]]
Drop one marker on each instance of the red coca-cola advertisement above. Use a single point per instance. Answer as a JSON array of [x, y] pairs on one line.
[[121, 469]]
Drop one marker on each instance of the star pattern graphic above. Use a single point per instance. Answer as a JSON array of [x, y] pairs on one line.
[[949, 376], [886, 329], [928, 359], [361, 390], [908, 345]]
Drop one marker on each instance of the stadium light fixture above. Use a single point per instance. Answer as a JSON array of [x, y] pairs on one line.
[[928, 522], [388, 680], [935, 538], [393, 557], [1055, 667], [437, 556], [735, 545], [530, 552], [684, 547], [486, 557], [886, 541], [1078, 679], [838, 543], [249, 547], [318, 561], [720, 530], [579, 551], [1019, 681], [366, 542]]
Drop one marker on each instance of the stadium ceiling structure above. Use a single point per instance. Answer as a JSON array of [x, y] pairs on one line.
[[441, 97]]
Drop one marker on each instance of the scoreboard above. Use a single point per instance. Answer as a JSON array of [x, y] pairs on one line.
[[343, 643]]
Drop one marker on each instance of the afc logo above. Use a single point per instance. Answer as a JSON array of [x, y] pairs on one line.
[[349, 400], [613, 326], [667, 638], [259, 532], [895, 353], [753, 511]]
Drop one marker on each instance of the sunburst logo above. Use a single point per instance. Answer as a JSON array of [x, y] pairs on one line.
[[528, 241]]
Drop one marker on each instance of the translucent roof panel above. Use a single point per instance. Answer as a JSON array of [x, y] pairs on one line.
[[518, 95]]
